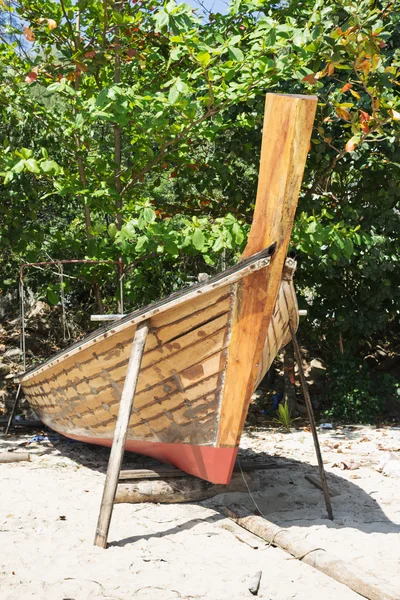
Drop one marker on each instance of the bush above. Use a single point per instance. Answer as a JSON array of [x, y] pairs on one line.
[[356, 394]]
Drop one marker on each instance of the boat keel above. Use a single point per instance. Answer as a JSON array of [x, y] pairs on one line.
[[207, 462]]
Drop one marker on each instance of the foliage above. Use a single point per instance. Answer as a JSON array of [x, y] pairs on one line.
[[284, 416], [349, 225], [356, 397], [117, 110], [133, 129]]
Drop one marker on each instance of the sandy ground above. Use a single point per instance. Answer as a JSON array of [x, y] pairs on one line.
[[49, 509]]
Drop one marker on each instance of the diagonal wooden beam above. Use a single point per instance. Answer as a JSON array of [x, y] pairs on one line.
[[120, 434]]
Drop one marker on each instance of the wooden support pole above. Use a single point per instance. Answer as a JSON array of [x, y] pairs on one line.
[[120, 434], [312, 422]]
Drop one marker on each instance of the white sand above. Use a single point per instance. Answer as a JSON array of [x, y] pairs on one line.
[[191, 551]]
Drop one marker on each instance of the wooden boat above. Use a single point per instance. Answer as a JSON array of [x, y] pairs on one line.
[[208, 346]]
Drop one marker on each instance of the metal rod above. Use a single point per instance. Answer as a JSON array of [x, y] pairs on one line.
[[67, 262], [120, 435], [22, 298], [121, 286], [312, 422], [13, 410], [106, 317], [15, 404], [118, 262]]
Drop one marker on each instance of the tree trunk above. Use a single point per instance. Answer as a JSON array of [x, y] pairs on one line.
[[117, 143], [82, 173], [117, 129]]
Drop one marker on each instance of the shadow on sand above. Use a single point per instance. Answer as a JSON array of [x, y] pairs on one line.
[[285, 497]]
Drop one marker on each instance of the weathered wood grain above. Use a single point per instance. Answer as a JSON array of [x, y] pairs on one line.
[[288, 124], [120, 435]]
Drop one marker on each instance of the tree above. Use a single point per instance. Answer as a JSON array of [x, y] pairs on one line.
[[143, 122]]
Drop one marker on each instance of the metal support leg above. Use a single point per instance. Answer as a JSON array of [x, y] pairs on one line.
[[120, 434], [312, 422], [13, 411]]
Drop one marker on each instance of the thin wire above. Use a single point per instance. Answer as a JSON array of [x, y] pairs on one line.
[[259, 510], [248, 489]]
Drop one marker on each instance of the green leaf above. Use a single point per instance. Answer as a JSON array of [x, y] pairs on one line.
[[198, 240], [162, 20], [237, 234], [181, 86], [92, 248], [19, 166], [52, 297], [208, 259], [312, 227], [32, 165], [348, 248], [236, 53], [173, 94], [171, 246], [49, 166], [149, 215], [112, 230], [218, 244], [56, 87], [203, 58], [25, 153], [141, 243]]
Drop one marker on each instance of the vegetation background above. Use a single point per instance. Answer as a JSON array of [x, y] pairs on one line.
[[132, 129]]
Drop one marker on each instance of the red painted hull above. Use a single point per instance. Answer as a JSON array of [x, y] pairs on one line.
[[207, 462]]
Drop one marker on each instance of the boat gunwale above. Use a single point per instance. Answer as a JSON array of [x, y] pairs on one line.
[[230, 276]]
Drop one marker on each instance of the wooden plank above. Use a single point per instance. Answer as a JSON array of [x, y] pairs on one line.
[[184, 343], [22, 422], [120, 434], [199, 317], [110, 364], [183, 311], [169, 471], [287, 130], [314, 482]]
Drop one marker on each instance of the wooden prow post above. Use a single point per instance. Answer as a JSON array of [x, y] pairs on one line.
[[288, 123], [120, 434]]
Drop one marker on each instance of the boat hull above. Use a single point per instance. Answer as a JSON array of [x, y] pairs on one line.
[[177, 407], [206, 462], [207, 347]]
